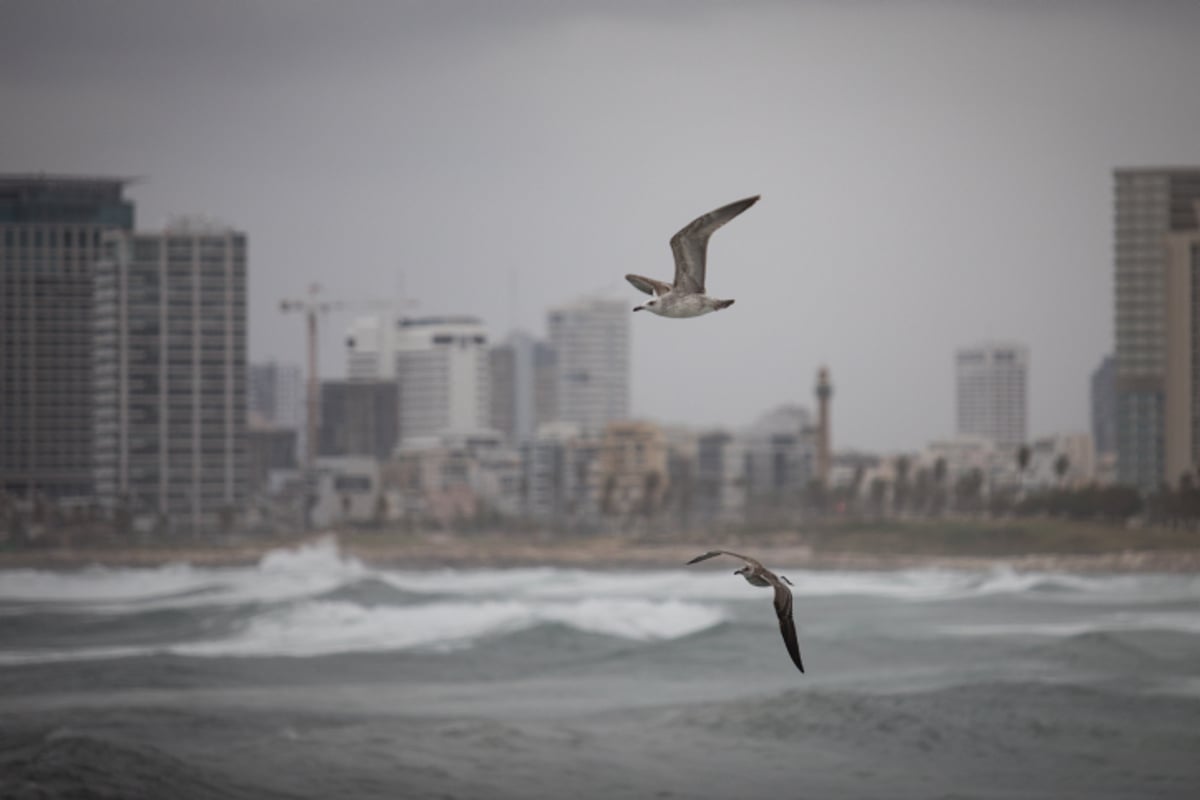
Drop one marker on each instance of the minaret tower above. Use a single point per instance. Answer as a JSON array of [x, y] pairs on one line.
[[824, 392]]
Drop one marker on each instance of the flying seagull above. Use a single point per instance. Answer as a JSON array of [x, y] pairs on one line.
[[758, 575], [686, 297]]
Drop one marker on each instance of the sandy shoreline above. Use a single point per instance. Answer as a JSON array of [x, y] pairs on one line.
[[592, 553]]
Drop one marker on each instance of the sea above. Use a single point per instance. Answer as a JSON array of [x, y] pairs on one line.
[[313, 675]]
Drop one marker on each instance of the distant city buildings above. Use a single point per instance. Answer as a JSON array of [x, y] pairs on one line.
[[1151, 205], [169, 359], [591, 342], [124, 384], [50, 232], [992, 392], [1062, 460], [720, 478], [780, 451], [523, 387], [632, 469]]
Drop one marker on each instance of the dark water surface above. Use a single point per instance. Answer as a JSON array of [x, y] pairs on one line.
[[314, 676]]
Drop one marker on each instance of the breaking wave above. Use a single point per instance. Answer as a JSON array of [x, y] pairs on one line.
[[314, 601]]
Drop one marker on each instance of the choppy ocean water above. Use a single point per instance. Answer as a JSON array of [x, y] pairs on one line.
[[313, 675]]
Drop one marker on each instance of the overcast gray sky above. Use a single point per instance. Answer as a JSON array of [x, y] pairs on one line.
[[933, 174]]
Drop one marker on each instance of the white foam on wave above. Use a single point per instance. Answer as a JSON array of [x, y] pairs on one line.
[[326, 627], [99, 584], [280, 575], [1179, 622], [709, 584], [314, 628]]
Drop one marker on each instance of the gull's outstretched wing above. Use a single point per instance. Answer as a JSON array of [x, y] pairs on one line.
[[690, 245], [648, 285], [715, 553], [787, 626]]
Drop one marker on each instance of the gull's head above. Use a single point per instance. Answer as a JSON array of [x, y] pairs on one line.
[[649, 305], [741, 571]]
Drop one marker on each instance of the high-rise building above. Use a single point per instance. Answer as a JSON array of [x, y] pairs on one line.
[[276, 394], [993, 394], [359, 418], [1104, 406], [442, 367], [1181, 398], [50, 230], [591, 341], [1150, 204], [169, 359], [522, 386]]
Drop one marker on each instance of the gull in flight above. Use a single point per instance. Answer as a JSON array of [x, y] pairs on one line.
[[686, 297], [758, 575]]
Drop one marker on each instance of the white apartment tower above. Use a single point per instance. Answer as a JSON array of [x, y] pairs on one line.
[[591, 342], [169, 374], [441, 364], [993, 392]]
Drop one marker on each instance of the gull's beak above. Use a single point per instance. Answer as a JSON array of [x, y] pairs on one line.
[[638, 308]]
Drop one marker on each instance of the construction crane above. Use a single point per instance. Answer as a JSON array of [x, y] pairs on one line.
[[312, 306]]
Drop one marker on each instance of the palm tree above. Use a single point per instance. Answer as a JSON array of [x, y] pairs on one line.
[[939, 483], [900, 491], [1061, 465], [921, 491], [967, 489]]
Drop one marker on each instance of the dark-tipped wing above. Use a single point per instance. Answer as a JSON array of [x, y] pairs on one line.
[[787, 626], [715, 553], [648, 285], [690, 245]]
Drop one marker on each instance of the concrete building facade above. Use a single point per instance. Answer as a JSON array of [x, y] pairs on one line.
[[169, 356], [1150, 205], [1181, 385], [50, 238]]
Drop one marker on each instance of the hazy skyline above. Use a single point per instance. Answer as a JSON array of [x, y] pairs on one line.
[[933, 174]]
